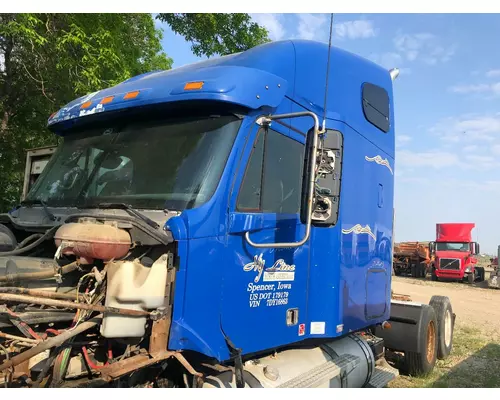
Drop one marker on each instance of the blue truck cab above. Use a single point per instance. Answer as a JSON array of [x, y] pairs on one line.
[[269, 176]]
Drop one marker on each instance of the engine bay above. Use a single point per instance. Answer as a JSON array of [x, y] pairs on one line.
[[87, 302]]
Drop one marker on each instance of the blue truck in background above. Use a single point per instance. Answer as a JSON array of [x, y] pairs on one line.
[[228, 223]]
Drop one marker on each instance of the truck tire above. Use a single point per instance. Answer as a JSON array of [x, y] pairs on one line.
[[470, 278], [433, 275], [480, 274], [423, 270], [445, 323], [423, 362]]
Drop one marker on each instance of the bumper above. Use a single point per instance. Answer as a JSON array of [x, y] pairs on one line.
[[450, 274]]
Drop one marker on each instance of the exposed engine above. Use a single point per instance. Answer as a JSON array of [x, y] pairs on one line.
[[87, 302]]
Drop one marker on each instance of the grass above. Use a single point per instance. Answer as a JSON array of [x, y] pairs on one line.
[[473, 363]]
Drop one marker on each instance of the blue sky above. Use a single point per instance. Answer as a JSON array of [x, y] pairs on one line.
[[447, 103]]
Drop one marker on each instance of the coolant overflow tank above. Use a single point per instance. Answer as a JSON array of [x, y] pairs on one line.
[[132, 285], [93, 240]]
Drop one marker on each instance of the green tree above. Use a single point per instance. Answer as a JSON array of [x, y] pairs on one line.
[[217, 34], [47, 60]]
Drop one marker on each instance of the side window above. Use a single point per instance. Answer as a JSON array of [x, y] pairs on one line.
[[376, 106], [273, 179], [249, 196]]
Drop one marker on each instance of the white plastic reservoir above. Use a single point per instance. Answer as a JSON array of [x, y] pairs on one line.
[[133, 286]]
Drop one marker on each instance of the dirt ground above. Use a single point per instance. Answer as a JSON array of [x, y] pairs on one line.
[[475, 357], [474, 306]]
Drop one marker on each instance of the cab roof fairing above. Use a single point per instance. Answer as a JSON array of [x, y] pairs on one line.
[[248, 87]]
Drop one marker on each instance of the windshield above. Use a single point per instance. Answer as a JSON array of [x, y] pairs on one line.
[[440, 246], [173, 164]]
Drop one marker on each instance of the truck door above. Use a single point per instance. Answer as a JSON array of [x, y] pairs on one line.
[[265, 289]]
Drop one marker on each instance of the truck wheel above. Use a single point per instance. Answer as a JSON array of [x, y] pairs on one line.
[[470, 278], [480, 274], [422, 363], [445, 324], [434, 276]]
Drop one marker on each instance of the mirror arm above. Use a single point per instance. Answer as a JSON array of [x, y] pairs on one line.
[[310, 194]]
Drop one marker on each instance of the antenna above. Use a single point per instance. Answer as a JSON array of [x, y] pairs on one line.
[[323, 128]]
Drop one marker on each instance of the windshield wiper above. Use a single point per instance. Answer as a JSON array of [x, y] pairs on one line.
[[28, 203], [131, 210]]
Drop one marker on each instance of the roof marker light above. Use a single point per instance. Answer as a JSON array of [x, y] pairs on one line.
[[87, 104], [107, 99], [193, 85], [131, 95]]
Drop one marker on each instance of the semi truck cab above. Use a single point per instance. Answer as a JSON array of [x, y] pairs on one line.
[[229, 221], [455, 253]]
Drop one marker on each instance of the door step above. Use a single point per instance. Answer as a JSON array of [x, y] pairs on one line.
[[323, 373], [382, 375]]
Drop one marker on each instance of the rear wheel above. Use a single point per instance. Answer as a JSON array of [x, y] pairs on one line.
[[422, 363], [445, 324]]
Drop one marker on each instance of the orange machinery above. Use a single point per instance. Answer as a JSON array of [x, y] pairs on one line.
[[412, 258]]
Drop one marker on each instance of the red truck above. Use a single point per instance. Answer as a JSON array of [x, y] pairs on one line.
[[454, 253]]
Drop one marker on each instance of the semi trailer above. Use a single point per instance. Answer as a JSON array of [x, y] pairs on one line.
[[224, 224]]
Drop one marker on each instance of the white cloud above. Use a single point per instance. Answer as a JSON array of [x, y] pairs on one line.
[[493, 88], [439, 54], [480, 88], [471, 147], [357, 29], [316, 27], [493, 73], [480, 162], [472, 128], [423, 46], [402, 140], [311, 26], [387, 60], [434, 159], [496, 149], [272, 23], [439, 159]]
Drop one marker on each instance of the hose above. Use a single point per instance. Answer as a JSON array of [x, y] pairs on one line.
[[22, 250], [52, 342], [38, 275], [29, 239]]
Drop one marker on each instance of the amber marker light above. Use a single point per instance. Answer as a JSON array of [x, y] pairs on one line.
[[107, 99], [131, 95], [193, 86]]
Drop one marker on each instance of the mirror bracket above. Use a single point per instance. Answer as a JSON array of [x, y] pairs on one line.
[[266, 121]]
